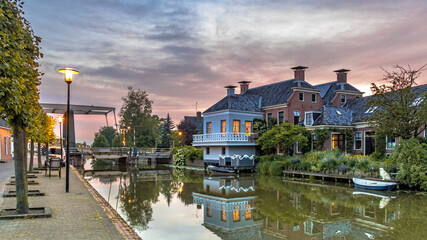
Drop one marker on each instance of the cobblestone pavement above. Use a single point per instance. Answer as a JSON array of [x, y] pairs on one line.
[[75, 215]]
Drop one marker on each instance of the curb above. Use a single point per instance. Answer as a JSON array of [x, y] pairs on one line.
[[121, 225]]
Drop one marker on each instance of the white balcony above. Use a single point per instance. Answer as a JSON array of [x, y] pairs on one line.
[[223, 139]]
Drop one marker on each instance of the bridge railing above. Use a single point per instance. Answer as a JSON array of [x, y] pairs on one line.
[[122, 150]]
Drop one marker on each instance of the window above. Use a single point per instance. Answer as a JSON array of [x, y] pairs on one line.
[[248, 212], [338, 141], [313, 97], [236, 126], [280, 117], [236, 215], [208, 151], [5, 145], [223, 126], [301, 96], [223, 151], [296, 117], [357, 140], [308, 119], [269, 116], [298, 147], [343, 98], [209, 210], [223, 214], [209, 128], [390, 142], [248, 127]]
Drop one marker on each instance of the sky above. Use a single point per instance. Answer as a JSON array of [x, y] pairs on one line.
[[183, 52]]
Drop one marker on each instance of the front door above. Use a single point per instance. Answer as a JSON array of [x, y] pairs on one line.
[[369, 143]]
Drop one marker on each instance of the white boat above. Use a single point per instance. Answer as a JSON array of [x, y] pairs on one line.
[[371, 184]]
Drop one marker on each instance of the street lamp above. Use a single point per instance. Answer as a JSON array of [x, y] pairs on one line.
[[68, 79], [60, 119]]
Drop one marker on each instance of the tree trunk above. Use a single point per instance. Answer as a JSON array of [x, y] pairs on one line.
[[20, 167], [31, 156], [39, 155], [47, 154]]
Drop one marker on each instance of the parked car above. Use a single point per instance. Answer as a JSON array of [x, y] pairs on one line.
[[55, 153]]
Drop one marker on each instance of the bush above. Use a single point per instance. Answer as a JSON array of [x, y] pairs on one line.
[[411, 157], [263, 167], [181, 154], [275, 168]]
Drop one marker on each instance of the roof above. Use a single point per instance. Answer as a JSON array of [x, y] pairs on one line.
[[270, 94], [196, 121], [332, 115], [240, 102], [4, 124], [327, 90]]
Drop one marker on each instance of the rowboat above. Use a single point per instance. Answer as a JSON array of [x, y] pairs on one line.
[[376, 185]]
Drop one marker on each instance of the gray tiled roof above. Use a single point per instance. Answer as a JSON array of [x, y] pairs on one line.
[[241, 102], [327, 90], [3, 123], [197, 122], [332, 115], [271, 94]]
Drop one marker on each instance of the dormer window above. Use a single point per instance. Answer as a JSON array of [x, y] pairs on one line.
[[301, 96], [343, 98], [309, 119], [371, 110]]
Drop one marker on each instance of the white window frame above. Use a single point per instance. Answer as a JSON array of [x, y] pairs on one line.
[[305, 118], [297, 146], [361, 140], [315, 97], [386, 143], [302, 96], [345, 98], [278, 119]]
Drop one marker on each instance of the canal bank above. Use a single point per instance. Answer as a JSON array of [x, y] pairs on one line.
[[79, 214]]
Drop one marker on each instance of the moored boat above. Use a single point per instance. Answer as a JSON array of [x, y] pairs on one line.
[[376, 185], [222, 170]]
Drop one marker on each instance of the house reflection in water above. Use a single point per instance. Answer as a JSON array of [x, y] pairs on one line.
[[228, 207]]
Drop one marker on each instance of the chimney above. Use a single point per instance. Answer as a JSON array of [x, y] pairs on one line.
[[244, 85], [230, 90], [342, 75], [299, 73], [199, 115]]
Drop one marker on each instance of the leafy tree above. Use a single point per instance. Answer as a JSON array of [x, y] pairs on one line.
[[108, 132], [19, 81], [398, 110], [285, 135], [117, 141], [188, 129], [166, 129], [100, 141], [136, 114]]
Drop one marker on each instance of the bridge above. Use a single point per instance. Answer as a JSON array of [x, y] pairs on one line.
[[154, 155]]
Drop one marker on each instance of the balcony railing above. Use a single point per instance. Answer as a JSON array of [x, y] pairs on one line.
[[223, 137]]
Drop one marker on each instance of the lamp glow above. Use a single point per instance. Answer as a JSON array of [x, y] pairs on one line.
[[60, 119], [68, 73]]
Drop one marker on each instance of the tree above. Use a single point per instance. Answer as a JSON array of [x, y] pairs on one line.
[[166, 129], [398, 110], [135, 113], [100, 141], [285, 135], [117, 141], [19, 81], [108, 132], [188, 129]]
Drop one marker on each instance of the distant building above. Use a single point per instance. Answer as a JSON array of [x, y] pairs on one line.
[[197, 121], [6, 144], [228, 124]]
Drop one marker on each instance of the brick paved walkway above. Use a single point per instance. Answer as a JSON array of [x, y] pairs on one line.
[[75, 215]]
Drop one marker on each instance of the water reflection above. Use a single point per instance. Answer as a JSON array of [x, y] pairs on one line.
[[178, 204]]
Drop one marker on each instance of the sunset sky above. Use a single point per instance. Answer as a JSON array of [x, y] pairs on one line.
[[183, 52]]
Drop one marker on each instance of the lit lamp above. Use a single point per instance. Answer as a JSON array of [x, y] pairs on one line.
[[60, 119], [68, 79]]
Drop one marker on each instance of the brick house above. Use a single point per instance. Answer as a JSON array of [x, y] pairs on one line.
[[228, 124], [6, 144]]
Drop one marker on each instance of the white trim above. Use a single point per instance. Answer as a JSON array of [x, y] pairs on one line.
[[275, 106], [350, 92], [306, 89], [278, 123], [223, 112], [315, 98], [303, 98], [386, 141]]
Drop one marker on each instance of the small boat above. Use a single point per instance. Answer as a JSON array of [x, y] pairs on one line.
[[222, 170], [376, 185]]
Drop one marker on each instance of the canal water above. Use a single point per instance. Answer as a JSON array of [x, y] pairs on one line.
[[166, 203]]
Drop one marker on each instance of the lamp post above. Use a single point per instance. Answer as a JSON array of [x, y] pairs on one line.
[[68, 79], [60, 119]]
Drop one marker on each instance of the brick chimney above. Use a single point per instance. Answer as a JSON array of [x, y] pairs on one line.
[[230, 90], [342, 75], [244, 85], [199, 115], [299, 73]]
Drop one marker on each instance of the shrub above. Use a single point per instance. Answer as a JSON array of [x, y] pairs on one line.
[[411, 157], [275, 168], [263, 167], [181, 154]]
